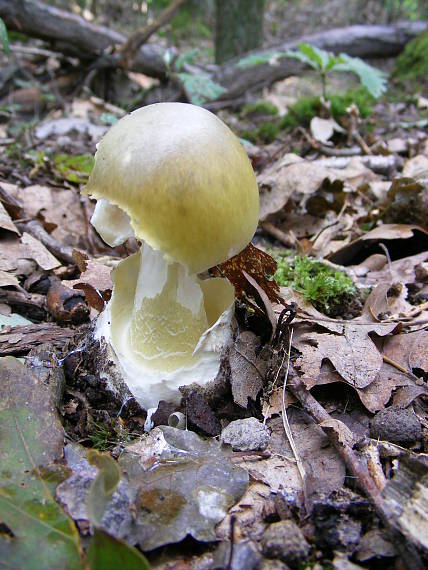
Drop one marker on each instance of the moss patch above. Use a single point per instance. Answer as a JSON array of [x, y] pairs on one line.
[[328, 290], [306, 108], [412, 64]]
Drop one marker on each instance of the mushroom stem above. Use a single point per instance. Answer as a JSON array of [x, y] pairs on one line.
[[166, 327], [168, 316]]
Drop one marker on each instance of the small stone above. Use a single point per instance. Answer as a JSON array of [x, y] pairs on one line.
[[285, 540], [246, 435], [396, 425], [421, 272]]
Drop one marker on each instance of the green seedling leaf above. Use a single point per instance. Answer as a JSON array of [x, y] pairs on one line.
[[103, 486], [108, 553], [199, 88], [31, 439], [316, 57], [75, 169], [373, 79], [186, 57], [4, 38]]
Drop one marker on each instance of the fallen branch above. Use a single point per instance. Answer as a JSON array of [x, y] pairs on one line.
[[140, 37], [73, 35]]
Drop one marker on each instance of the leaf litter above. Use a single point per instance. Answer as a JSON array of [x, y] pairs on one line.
[[172, 483]]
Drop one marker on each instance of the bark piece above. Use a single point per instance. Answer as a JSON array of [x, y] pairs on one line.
[[21, 339]]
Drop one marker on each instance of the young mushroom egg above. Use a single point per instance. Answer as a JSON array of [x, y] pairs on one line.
[[174, 176]]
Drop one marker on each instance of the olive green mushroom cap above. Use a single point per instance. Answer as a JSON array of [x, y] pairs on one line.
[[184, 180]]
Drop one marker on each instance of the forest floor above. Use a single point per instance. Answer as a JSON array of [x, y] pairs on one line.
[[330, 355]]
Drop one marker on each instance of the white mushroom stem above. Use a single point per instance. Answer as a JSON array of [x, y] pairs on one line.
[[169, 316], [166, 327]]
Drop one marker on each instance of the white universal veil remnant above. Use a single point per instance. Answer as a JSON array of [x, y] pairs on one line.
[[177, 178]]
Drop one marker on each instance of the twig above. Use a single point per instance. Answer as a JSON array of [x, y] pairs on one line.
[[287, 427], [398, 366], [278, 234]]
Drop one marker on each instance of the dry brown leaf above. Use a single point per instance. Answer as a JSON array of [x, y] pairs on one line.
[[295, 177], [6, 222], [391, 235], [385, 300], [59, 207], [14, 256], [95, 281], [400, 270], [408, 350], [352, 352], [256, 263], [38, 252], [405, 395], [246, 369], [8, 280], [378, 393]]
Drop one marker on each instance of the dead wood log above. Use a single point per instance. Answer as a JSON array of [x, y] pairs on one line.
[[364, 41], [72, 34], [20, 340]]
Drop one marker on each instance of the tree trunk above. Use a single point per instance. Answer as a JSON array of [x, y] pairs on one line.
[[239, 27]]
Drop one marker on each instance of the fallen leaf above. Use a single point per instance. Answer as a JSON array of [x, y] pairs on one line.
[[8, 280], [391, 235], [375, 396], [38, 252], [58, 208], [296, 178], [106, 552], [323, 129], [31, 439], [103, 486], [6, 222], [64, 126], [174, 484], [95, 281], [247, 371], [257, 264]]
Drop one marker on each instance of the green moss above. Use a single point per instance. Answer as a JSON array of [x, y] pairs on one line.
[[301, 112], [321, 285], [361, 97], [412, 64], [265, 133], [306, 108], [260, 108]]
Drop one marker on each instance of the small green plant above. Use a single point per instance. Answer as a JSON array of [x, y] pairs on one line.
[[373, 79], [321, 285], [198, 87], [4, 38], [104, 438]]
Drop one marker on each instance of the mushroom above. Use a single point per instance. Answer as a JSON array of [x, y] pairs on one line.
[[174, 176]]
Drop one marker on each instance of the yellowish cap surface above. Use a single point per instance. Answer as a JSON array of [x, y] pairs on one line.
[[183, 178]]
